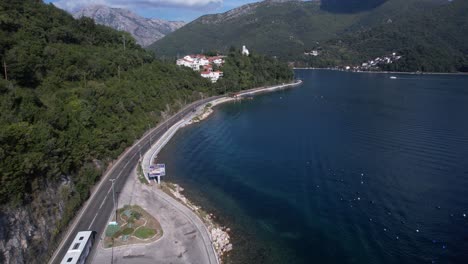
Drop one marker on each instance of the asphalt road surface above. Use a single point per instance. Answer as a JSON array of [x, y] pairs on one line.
[[96, 211]]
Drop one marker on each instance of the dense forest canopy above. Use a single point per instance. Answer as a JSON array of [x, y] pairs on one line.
[[74, 95], [77, 92]]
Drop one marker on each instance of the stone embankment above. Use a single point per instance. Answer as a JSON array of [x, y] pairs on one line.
[[206, 110]]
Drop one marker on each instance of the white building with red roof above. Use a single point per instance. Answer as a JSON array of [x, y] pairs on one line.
[[212, 75], [205, 64], [193, 61]]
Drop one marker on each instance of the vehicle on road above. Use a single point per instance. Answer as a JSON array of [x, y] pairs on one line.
[[80, 248]]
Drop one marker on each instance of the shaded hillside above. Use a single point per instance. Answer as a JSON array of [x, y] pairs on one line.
[[350, 6], [73, 98], [431, 34], [285, 29], [277, 29], [432, 40]]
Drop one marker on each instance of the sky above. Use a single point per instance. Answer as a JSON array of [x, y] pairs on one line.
[[177, 10]]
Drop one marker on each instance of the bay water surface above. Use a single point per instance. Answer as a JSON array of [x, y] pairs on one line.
[[347, 168]]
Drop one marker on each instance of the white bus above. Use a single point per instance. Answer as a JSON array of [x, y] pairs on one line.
[[80, 248]]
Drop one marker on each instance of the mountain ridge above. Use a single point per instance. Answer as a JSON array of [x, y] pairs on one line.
[[72, 99], [289, 30], [297, 25], [145, 30]]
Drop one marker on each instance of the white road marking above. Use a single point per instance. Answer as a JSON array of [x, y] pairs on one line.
[[76, 220], [108, 192], [89, 227]]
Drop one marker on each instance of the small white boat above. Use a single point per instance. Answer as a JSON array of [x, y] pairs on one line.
[[393, 77]]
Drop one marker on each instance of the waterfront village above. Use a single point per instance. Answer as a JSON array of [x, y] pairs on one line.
[[370, 65], [373, 64], [206, 64]]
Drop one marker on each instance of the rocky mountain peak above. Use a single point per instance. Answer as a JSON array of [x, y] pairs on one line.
[[145, 30]]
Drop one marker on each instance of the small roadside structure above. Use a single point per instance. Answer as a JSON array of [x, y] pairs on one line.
[[156, 171]]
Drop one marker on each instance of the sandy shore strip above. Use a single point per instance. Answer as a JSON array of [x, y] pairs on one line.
[[218, 241]]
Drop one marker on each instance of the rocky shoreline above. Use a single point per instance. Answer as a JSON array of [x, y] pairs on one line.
[[219, 235], [205, 111]]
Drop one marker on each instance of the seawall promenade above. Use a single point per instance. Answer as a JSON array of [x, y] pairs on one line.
[[150, 155]]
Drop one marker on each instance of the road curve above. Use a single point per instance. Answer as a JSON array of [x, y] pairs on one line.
[[194, 219], [96, 210]]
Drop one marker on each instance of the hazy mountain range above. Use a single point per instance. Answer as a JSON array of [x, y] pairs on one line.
[[144, 30]]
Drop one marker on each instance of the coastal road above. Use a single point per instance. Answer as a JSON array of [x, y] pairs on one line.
[[182, 241], [95, 213]]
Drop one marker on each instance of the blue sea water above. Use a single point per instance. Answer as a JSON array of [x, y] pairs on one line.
[[347, 168]]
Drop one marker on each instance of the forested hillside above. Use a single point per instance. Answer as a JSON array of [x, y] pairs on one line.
[[350, 6], [430, 40], [243, 72], [73, 96], [431, 34], [281, 29]]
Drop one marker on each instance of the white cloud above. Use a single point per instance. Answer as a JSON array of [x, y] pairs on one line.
[[196, 4]]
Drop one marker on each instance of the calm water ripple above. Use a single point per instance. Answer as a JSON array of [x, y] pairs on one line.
[[347, 168]]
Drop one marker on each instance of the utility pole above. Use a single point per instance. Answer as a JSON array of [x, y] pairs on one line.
[[112, 256], [124, 41], [113, 198], [5, 68], [118, 72], [139, 146]]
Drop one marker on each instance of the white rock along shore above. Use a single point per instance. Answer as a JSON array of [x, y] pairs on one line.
[[219, 237]]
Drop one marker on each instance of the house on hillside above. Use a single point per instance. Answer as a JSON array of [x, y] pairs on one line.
[[217, 60], [204, 64], [193, 61], [314, 53], [212, 75]]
